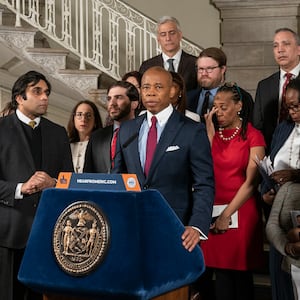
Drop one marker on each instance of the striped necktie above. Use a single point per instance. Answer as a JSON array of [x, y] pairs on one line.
[[283, 114], [171, 65]]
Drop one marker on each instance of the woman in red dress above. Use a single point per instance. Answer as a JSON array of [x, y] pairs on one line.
[[235, 244]]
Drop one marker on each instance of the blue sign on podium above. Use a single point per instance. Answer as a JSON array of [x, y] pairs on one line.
[[98, 181]]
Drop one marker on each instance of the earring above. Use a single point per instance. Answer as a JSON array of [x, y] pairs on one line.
[[239, 115]]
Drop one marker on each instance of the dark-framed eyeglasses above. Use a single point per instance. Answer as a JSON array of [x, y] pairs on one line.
[[234, 86], [80, 115], [207, 70], [294, 107]]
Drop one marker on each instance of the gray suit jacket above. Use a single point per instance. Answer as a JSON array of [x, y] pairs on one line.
[[17, 166], [280, 222]]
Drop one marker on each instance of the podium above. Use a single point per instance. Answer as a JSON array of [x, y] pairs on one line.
[[144, 257]]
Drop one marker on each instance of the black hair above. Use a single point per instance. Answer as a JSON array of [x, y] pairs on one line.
[[131, 91], [247, 103], [20, 86], [136, 74], [295, 85]]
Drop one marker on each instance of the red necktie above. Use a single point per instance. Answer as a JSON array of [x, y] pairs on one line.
[[283, 109], [151, 144], [113, 146]]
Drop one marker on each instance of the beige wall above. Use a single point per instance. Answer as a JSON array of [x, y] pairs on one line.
[[200, 20]]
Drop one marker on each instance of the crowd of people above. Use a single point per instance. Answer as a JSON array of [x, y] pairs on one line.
[[195, 138]]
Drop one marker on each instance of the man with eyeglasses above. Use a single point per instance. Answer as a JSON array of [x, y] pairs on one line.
[[172, 58], [210, 68], [122, 101]]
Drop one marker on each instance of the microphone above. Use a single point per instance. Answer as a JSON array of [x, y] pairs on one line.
[[125, 145]]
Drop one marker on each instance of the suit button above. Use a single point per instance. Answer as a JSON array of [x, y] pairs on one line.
[[146, 187]]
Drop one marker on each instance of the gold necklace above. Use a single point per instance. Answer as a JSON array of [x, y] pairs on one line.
[[237, 128]]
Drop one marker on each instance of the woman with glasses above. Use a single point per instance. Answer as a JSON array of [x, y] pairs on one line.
[[84, 119], [285, 146], [235, 243], [285, 159]]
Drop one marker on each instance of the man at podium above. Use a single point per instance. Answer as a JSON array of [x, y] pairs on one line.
[[170, 153]]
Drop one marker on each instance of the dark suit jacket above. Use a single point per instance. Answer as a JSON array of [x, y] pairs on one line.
[[17, 166], [281, 134], [265, 113], [181, 168], [193, 99], [186, 68], [97, 156]]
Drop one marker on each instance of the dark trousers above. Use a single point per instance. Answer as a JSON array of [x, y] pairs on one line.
[[228, 285], [10, 287]]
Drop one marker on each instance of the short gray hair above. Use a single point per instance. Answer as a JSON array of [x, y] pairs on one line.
[[165, 19], [286, 29]]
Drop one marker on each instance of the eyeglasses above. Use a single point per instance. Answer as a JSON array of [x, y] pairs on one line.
[[294, 108], [233, 86], [207, 70], [81, 115]]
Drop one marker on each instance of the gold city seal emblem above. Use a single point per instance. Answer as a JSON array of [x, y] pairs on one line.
[[80, 238]]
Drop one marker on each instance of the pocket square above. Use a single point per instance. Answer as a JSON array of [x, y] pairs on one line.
[[172, 148]]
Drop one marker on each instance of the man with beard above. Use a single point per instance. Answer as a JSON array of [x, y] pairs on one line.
[[211, 68], [122, 101]]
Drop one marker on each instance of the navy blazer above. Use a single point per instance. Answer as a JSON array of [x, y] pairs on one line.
[[266, 107], [181, 169], [193, 99], [186, 68], [281, 134], [97, 155], [17, 166]]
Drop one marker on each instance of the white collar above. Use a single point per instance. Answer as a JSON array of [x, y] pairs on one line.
[[294, 71], [162, 117], [25, 119], [176, 57]]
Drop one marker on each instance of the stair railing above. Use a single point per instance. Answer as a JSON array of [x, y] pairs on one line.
[[108, 34]]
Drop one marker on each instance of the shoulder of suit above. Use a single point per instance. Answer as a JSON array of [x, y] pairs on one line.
[[7, 121], [194, 92], [150, 61], [102, 131], [134, 122], [270, 78], [48, 123], [188, 55], [176, 115]]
